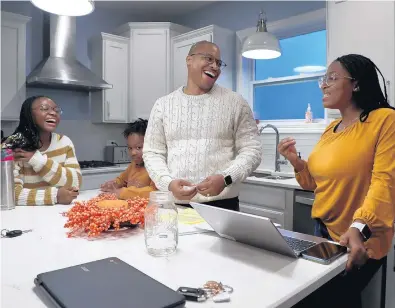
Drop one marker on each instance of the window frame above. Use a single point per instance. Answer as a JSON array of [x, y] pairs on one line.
[[245, 74]]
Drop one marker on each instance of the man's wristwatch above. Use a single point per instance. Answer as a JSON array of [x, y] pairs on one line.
[[363, 228], [228, 180]]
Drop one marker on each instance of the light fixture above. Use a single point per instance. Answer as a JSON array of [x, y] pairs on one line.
[[65, 7], [262, 44]]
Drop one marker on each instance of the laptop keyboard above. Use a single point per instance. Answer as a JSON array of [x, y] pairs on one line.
[[298, 245]]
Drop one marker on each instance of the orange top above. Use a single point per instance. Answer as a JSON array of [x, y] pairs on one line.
[[352, 173], [136, 182]]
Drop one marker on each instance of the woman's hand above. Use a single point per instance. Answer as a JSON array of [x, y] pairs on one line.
[[66, 195], [287, 148], [358, 254], [110, 186], [21, 155]]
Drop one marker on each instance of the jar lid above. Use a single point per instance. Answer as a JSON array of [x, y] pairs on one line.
[[7, 155], [161, 196]]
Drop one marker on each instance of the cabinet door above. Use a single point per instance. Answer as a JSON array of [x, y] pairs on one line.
[[275, 216], [13, 64], [180, 52], [375, 41], [116, 73], [149, 70]]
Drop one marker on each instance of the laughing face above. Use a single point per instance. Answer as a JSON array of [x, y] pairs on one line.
[[338, 88], [204, 66], [46, 114]]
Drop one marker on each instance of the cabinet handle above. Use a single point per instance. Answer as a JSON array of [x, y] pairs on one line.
[[108, 109]]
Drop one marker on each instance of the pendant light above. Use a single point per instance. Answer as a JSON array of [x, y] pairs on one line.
[[262, 44], [65, 7]]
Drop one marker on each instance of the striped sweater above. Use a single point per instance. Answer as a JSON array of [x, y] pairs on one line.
[[37, 181]]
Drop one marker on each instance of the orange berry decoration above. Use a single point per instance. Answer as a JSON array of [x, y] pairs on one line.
[[103, 212]]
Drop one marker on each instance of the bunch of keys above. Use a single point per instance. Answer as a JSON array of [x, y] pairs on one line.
[[13, 233], [217, 291]]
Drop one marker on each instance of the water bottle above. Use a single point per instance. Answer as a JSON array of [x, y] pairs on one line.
[[7, 180], [161, 224]]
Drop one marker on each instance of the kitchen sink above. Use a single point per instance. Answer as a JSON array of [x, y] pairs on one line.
[[278, 177], [271, 177]]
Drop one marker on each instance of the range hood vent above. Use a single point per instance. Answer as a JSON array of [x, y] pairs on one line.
[[60, 68]]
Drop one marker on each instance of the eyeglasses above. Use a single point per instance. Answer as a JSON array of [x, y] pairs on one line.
[[46, 108], [210, 59], [330, 80]]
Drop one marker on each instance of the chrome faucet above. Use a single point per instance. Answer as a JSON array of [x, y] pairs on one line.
[[277, 161]]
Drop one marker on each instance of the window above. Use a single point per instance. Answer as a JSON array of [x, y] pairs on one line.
[[283, 87]]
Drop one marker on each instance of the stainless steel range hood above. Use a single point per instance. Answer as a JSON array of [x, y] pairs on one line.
[[60, 68]]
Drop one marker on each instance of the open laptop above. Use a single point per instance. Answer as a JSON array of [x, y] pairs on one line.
[[106, 283], [254, 230]]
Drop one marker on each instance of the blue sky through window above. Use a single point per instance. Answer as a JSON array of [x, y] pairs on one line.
[[289, 101]]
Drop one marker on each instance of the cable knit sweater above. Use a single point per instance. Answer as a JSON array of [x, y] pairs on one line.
[[191, 137]]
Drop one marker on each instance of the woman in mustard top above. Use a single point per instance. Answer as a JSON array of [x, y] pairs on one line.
[[134, 181], [352, 173]]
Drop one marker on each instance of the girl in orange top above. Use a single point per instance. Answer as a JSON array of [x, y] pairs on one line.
[[134, 181], [352, 173]]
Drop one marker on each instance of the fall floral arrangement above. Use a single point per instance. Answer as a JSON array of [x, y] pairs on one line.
[[104, 212]]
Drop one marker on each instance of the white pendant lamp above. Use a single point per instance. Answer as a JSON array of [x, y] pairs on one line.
[[65, 7], [262, 44]]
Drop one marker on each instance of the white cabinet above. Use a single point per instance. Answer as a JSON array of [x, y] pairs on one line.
[[149, 63], [13, 64], [109, 55], [225, 39], [366, 28]]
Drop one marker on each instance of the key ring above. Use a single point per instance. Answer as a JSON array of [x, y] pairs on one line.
[[5, 232]]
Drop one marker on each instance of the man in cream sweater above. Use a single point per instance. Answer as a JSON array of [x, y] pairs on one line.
[[202, 140]]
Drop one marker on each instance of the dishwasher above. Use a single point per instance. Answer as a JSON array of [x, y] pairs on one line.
[[302, 221]]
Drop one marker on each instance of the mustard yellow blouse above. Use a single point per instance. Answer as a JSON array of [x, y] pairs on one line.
[[352, 173]]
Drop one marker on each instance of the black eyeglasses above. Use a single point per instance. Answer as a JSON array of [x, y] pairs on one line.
[[46, 108], [210, 59]]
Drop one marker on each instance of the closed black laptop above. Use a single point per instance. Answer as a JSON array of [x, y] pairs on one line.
[[106, 283]]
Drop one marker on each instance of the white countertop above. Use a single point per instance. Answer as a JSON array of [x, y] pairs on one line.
[[278, 281]]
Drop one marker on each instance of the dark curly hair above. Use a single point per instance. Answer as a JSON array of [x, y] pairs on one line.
[[27, 127], [137, 127], [370, 96]]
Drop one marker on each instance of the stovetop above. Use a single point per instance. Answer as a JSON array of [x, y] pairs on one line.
[[95, 164]]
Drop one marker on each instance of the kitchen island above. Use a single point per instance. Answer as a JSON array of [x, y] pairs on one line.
[[259, 278]]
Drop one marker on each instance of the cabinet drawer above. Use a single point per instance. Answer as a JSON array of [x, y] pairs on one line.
[[274, 216], [262, 195]]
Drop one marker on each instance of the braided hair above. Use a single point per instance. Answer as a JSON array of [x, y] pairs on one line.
[[370, 96], [27, 127], [136, 127]]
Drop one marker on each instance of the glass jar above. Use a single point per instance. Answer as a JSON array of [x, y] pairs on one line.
[[161, 224]]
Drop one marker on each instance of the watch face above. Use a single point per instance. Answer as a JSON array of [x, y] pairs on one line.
[[366, 232], [228, 180]]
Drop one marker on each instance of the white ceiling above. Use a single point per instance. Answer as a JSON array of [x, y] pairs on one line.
[[171, 8]]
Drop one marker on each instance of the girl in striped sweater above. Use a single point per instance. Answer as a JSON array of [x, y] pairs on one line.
[[46, 168]]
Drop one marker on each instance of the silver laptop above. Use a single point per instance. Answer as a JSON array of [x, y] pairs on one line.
[[255, 231]]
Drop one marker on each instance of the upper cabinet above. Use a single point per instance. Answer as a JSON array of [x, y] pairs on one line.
[[109, 56], [225, 39], [13, 64], [366, 28], [149, 63]]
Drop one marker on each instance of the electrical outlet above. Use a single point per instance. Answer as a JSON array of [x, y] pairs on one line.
[[111, 143]]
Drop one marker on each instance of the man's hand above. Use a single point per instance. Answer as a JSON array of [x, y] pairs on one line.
[[182, 190], [212, 185], [358, 255], [21, 155], [66, 195]]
